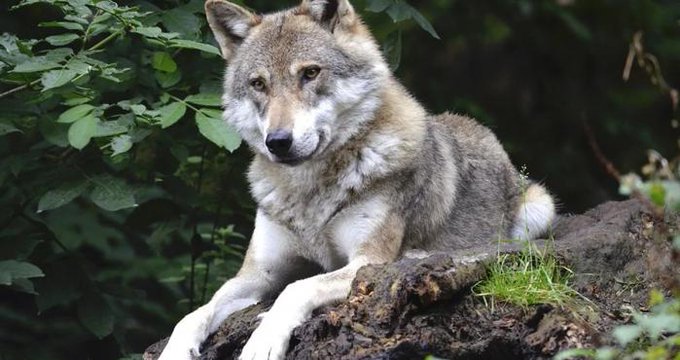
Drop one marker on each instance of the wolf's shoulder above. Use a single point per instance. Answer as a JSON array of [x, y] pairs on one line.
[[465, 129], [473, 139]]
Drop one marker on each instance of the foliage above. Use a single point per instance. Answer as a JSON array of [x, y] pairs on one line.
[[662, 183], [655, 335], [530, 277], [112, 175], [650, 336]]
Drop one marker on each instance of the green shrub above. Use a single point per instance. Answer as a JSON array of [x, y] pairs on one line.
[[115, 180], [652, 336]]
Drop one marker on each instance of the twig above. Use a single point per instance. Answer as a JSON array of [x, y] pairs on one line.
[[208, 262], [608, 166], [614, 173], [650, 64], [19, 88], [195, 235], [106, 40]]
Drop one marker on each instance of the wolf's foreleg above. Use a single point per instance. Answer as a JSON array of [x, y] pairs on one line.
[[266, 268], [297, 301]]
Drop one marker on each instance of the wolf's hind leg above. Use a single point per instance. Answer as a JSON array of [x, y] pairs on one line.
[[535, 214]]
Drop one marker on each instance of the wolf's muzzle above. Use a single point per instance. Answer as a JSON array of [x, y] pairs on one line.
[[279, 142]]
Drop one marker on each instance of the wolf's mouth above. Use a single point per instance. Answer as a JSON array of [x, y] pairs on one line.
[[294, 161]]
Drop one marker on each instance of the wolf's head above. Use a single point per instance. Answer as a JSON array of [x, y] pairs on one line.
[[299, 83]]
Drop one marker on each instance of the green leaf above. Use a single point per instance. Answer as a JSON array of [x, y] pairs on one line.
[[162, 61], [58, 54], [150, 32], [79, 65], [400, 11], [12, 269], [166, 80], [657, 324], [75, 113], [573, 353], [7, 128], [81, 132], [5, 278], [62, 195], [78, 100], [110, 128], [24, 285], [112, 194], [61, 40], [76, 19], [107, 5], [378, 5], [188, 44], [424, 23], [624, 334], [121, 144], [68, 25], [171, 113], [657, 193], [392, 48], [180, 21], [54, 132], [138, 109], [95, 314], [36, 64], [218, 131], [205, 99], [56, 78]]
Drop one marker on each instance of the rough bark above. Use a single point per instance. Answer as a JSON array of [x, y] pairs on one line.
[[417, 307]]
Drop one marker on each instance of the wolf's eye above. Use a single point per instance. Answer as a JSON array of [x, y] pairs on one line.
[[257, 84], [311, 73]]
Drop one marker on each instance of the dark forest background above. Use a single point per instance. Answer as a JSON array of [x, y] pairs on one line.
[[123, 201]]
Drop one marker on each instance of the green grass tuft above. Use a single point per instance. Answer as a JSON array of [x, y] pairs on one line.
[[527, 278]]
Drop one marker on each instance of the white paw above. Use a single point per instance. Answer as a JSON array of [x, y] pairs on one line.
[[186, 339], [179, 353], [270, 340], [180, 350]]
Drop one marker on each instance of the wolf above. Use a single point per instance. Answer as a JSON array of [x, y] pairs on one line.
[[348, 170]]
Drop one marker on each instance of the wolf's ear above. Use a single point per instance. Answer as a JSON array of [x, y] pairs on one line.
[[330, 13], [230, 24]]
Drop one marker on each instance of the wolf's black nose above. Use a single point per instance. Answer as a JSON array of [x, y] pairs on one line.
[[279, 142]]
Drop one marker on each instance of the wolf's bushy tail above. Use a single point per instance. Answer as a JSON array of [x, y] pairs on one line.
[[535, 214]]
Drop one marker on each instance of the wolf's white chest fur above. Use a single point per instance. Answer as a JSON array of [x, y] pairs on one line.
[[324, 214]]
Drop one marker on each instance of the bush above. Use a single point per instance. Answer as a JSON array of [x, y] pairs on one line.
[[115, 180]]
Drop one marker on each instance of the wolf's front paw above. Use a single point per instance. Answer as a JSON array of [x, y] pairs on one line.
[[186, 338], [177, 351], [270, 340]]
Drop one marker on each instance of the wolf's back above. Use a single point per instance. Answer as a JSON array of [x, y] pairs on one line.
[[464, 179]]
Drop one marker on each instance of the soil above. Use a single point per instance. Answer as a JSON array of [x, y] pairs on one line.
[[424, 306]]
